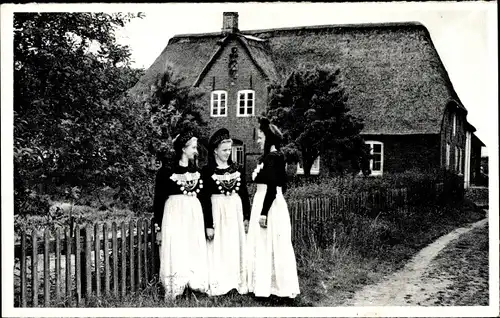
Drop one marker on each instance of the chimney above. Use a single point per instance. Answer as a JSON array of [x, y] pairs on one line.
[[230, 22]]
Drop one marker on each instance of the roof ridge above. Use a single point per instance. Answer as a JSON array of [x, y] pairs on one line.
[[310, 27]]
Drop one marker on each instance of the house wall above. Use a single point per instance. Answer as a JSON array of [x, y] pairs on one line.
[[454, 140], [405, 152], [248, 77]]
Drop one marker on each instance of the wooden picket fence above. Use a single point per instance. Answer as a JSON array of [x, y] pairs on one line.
[[90, 260], [305, 213], [123, 259]]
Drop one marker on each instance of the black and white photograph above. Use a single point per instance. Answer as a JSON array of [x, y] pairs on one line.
[[250, 159]]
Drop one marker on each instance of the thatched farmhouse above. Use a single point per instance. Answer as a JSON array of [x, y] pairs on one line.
[[393, 74]]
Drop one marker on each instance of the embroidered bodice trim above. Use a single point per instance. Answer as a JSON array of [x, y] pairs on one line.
[[189, 183], [228, 183]]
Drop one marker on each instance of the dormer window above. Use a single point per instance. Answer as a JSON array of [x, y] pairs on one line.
[[218, 103], [246, 103]]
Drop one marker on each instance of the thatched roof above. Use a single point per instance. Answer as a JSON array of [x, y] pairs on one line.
[[394, 77]]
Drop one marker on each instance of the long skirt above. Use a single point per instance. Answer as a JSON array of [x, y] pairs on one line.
[[226, 252], [272, 268], [183, 250]]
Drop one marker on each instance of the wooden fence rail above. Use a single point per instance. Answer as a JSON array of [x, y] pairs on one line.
[[101, 260]]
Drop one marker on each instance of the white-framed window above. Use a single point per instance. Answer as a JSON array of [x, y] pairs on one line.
[[246, 103], [218, 102], [314, 167], [237, 154], [377, 161], [454, 120], [447, 156]]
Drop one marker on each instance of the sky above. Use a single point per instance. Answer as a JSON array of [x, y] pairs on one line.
[[463, 33]]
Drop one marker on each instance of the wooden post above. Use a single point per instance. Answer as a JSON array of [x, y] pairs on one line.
[[67, 234], [97, 252], [58, 265], [78, 265], [145, 251], [139, 254], [106, 258], [124, 259], [153, 248], [115, 259], [34, 267], [46, 267], [88, 261], [23, 267], [131, 248]]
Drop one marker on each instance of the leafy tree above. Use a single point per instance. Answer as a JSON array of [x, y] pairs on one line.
[[310, 107], [69, 73]]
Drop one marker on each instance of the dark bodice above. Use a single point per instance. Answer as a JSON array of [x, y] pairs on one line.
[[271, 172], [226, 181], [172, 181]]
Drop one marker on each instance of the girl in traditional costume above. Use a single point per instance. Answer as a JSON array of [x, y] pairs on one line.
[[272, 266], [227, 200], [178, 213]]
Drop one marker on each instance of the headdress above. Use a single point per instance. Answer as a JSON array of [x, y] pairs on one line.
[[218, 137]]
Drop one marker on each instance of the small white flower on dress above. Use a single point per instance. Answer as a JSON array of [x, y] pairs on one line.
[[185, 192], [201, 186], [182, 188], [197, 190]]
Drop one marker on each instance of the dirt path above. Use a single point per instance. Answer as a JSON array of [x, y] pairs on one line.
[[410, 286]]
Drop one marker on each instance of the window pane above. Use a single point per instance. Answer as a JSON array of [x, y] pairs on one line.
[[214, 108], [377, 148], [250, 96], [242, 110], [223, 97], [242, 96], [242, 103], [250, 102], [376, 166], [223, 111], [249, 110]]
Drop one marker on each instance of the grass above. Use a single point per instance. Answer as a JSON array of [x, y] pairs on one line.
[[330, 275], [465, 263]]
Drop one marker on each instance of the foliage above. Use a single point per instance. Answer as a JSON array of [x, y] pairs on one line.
[[310, 107], [74, 124], [173, 108]]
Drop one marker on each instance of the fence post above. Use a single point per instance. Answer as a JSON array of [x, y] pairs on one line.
[[132, 270], [124, 259], [139, 254], [46, 266], [97, 261], [78, 265], [115, 259], [34, 267], [67, 233], [145, 250], [153, 249], [88, 261], [23, 267], [106, 257], [58, 265]]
